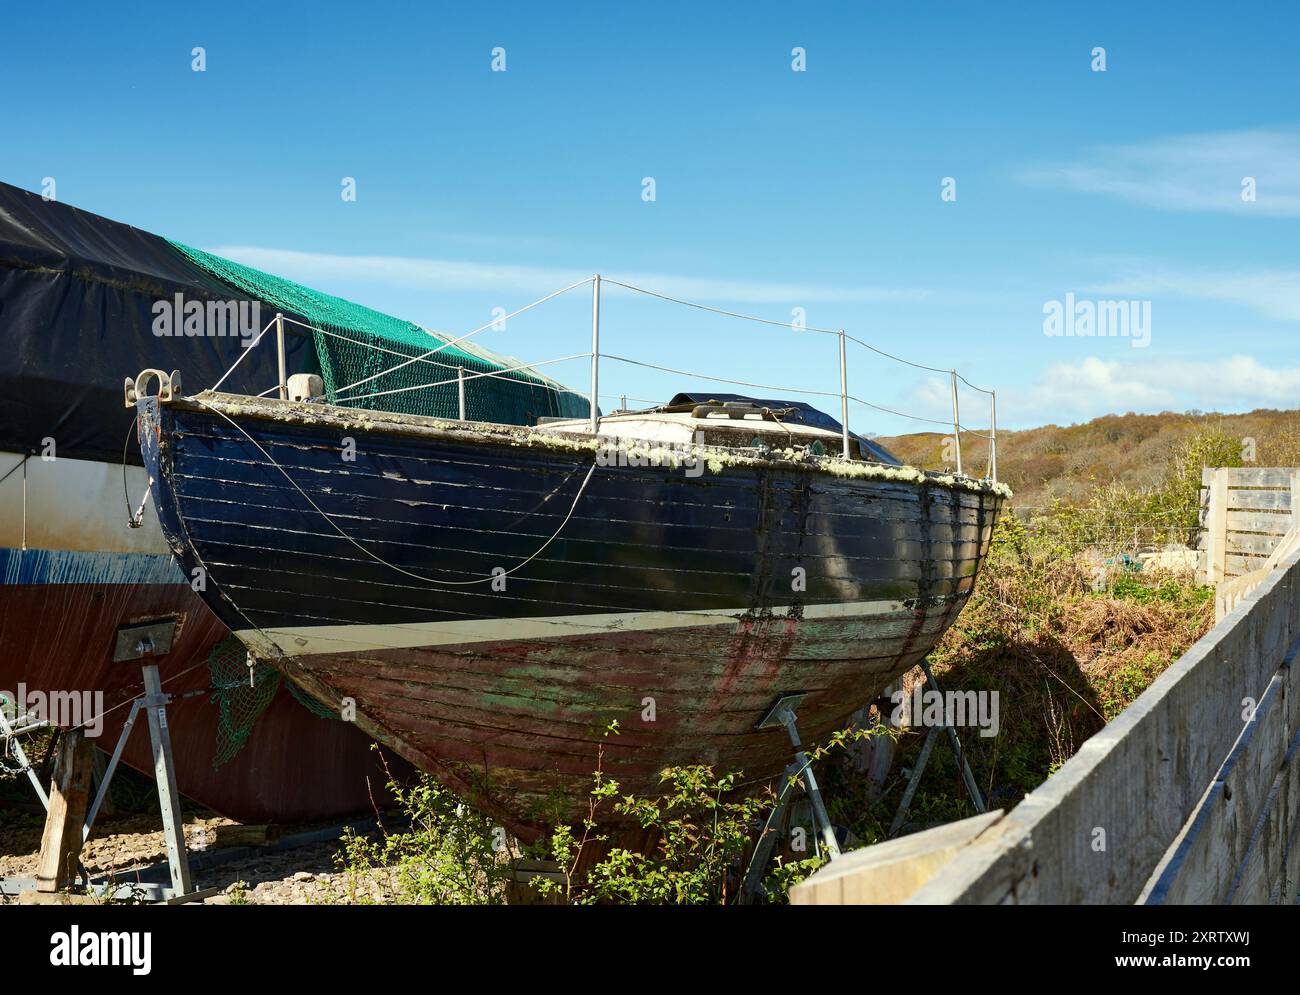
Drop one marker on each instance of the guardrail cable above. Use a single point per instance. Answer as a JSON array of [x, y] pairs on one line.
[[476, 331], [346, 393]]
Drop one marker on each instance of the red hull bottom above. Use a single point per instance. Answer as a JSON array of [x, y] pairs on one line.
[[294, 767], [518, 724]]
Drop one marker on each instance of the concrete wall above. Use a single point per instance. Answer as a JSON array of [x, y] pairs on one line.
[[1190, 795]]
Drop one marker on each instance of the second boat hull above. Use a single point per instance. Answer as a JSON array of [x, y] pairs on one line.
[[72, 574]]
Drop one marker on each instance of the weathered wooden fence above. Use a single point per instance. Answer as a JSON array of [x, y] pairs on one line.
[[1190, 795], [1245, 512]]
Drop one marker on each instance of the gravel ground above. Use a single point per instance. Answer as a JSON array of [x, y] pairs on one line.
[[117, 843], [303, 875]]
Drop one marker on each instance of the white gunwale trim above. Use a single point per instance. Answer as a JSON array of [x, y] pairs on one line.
[[316, 639]]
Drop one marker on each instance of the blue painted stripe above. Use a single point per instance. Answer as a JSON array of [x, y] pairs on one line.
[[56, 566]]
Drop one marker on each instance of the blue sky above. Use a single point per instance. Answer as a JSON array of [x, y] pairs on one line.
[[774, 189]]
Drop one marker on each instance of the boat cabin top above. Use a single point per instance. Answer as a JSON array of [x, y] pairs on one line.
[[736, 423]]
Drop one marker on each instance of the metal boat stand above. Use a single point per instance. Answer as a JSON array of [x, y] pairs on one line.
[[13, 746], [782, 714], [968, 778], [66, 802]]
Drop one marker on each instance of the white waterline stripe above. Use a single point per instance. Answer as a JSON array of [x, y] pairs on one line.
[[312, 639]]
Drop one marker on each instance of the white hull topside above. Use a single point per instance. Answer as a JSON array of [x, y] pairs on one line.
[[70, 505]]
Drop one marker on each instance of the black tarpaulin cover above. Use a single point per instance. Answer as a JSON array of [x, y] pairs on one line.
[[77, 295]]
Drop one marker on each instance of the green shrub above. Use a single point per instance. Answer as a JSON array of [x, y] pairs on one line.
[[703, 825], [449, 854]]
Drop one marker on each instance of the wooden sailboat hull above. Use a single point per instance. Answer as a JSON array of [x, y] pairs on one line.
[[491, 601]]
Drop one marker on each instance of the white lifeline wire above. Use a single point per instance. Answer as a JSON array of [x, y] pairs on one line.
[[247, 349], [947, 423], [793, 390], [718, 310], [473, 376], [379, 559], [451, 342], [795, 327], [629, 397], [551, 385], [702, 376], [685, 303], [424, 357]]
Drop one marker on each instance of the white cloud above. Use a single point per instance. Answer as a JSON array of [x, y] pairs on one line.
[[448, 275], [1271, 293], [1201, 172], [1243, 379], [1097, 386], [1069, 392]]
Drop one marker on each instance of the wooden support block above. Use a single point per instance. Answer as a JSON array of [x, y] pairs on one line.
[[890, 873], [241, 835], [520, 888], [877, 759], [873, 757], [69, 798]]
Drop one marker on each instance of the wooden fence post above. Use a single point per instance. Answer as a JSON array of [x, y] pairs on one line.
[[1295, 497], [1216, 544]]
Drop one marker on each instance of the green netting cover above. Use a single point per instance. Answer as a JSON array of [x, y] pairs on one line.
[[317, 708], [241, 703], [354, 343]]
